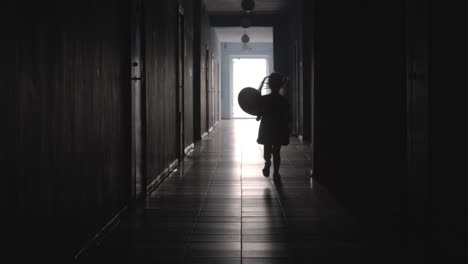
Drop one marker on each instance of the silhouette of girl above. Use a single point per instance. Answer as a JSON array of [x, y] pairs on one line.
[[274, 127]]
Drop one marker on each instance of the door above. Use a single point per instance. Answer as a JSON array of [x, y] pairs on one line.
[[208, 89], [294, 86], [180, 83], [417, 122], [138, 181], [213, 93], [298, 90]]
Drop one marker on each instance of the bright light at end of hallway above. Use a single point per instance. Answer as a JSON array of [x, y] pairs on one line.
[[246, 72]]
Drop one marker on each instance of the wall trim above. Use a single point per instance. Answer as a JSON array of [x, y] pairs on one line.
[[162, 176], [204, 135], [102, 233], [189, 149], [213, 127], [115, 221]]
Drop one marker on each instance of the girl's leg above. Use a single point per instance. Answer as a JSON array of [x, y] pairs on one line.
[[276, 158], [267, 149]]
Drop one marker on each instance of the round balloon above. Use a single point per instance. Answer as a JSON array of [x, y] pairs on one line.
[[249, 100]]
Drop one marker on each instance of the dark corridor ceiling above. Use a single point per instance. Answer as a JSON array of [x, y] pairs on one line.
[[229, 6]]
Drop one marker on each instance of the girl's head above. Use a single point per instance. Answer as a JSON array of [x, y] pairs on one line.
[[275, 81]]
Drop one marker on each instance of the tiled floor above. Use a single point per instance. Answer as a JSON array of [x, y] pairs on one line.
[[219, 208]]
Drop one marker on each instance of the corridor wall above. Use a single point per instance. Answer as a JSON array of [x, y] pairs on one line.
[[446, 185], [205, 53], [299, 93], [68, 145], [160, 27], [213, 82], [189, 19], [389, 117], [359, 105], [206, 84]]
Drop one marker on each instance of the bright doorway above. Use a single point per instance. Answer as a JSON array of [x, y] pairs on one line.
[[247, 72]]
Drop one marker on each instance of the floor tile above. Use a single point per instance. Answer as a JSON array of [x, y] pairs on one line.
[[219, 208]]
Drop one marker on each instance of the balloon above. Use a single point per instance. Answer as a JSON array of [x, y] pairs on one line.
[[249, 100]]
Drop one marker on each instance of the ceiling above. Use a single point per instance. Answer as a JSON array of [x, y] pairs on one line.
[[233, 34], [220, 6]]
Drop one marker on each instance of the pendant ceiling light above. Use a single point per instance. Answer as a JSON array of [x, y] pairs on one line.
[[248, 5], [245, 38]]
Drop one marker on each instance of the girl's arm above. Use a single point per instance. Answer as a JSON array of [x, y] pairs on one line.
[[285, 82], [261, 85], [259, 116]]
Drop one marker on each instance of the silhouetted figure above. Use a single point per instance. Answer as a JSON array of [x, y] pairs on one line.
[[274, 127]]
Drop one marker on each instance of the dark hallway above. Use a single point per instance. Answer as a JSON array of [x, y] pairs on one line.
[[124, 140], [216, 208]]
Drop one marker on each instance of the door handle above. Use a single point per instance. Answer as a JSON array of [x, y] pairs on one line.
[[134, 78]]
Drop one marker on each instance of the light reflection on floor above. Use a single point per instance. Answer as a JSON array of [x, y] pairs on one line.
[[219, 208]]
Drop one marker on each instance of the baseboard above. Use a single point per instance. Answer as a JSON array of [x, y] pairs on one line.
[[114, 222], [204, 135], [101, 234], [189, 149], [213, 127], [173, 165], [300, 137], [161, 177]]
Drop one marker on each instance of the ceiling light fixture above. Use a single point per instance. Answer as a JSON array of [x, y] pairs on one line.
[[248, 5], [245, 38]]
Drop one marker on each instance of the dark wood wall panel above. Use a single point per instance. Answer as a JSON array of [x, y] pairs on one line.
[[360, 102], [281, 39], [216, 85], [333, 135], [160, 84], [203, 118], [189, 71], [70, 136], [447, 132], [204, 47], [379, 90], [308, 26], [197, 70], [214, 79], [296, 89]]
